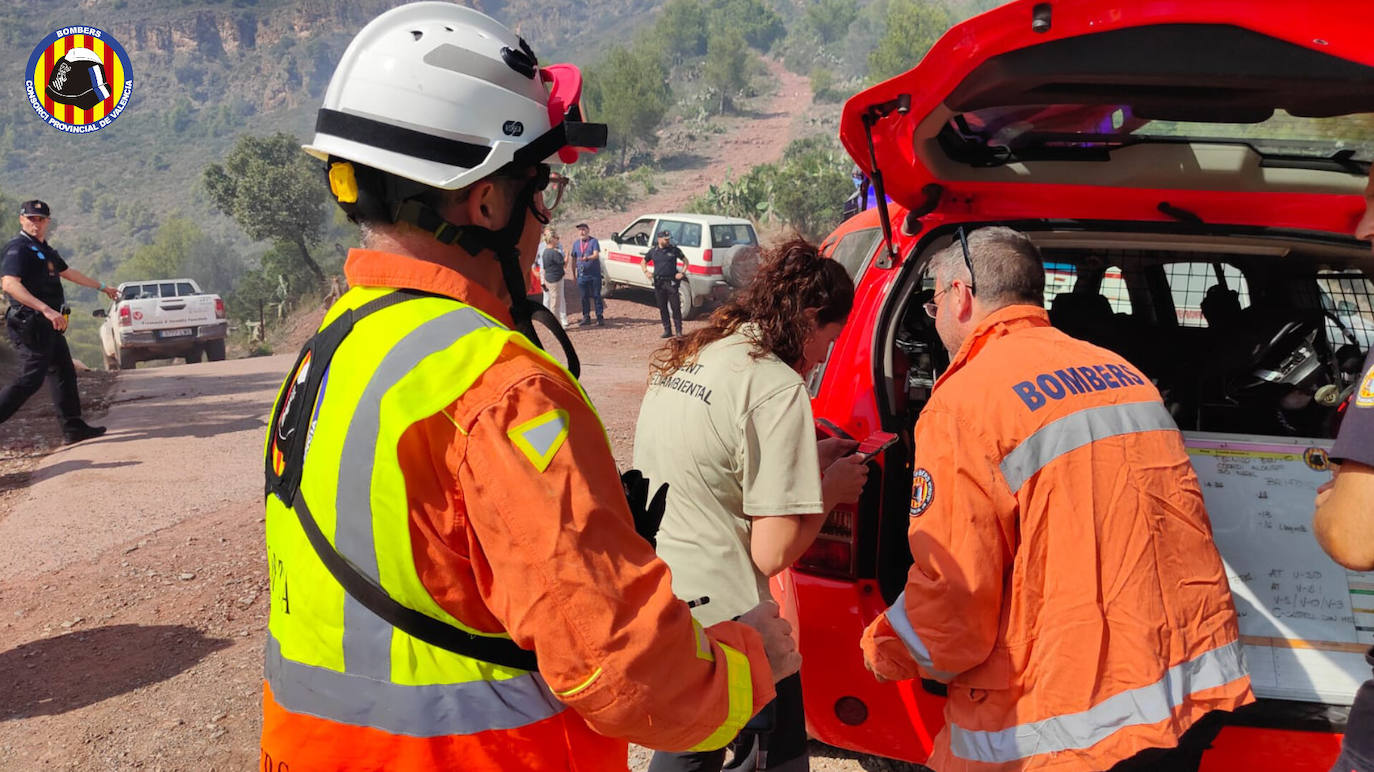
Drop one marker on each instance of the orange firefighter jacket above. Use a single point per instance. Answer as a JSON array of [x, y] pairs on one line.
[[1065, 584], [539, 546]]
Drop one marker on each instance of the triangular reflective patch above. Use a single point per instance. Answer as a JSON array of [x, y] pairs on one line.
[[540, 438]]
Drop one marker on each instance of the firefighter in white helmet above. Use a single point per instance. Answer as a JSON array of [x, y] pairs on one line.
[[457, 579]]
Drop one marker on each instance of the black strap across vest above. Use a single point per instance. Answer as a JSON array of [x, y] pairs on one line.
[[288, 433]]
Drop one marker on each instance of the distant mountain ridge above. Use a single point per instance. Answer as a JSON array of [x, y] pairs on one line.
[[205, 72]]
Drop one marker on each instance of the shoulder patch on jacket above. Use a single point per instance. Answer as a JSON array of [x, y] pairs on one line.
[[540, 438], [1365, 396], [922, 492]]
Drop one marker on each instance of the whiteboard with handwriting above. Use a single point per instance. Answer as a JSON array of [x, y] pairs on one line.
[[1305, 620]]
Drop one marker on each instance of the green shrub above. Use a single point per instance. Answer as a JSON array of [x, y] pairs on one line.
[[805, 190], [601, 192], [645, 177], [823, 86]]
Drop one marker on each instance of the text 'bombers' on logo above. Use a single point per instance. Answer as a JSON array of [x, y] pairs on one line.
[[79, 79]]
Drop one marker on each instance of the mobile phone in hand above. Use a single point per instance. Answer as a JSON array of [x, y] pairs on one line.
[[874, 444]]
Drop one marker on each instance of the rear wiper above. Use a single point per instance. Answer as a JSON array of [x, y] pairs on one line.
[[1339, 161]]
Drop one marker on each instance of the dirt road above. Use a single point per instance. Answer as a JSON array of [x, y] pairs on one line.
[[132, 578], [746, 140], [132, 582]]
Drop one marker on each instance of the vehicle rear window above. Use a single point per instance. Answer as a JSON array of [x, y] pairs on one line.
[[726, 236], [184, 288], [1347, 298], [1059, 279], [855, 249], [683, 234], [1190, 283], [1062, 279]]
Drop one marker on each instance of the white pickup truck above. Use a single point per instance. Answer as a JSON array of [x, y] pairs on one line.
[[162, 319]]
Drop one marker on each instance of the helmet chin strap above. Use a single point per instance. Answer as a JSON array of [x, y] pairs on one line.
[[505, 244]]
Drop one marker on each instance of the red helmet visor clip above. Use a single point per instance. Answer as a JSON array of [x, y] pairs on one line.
[[565, 103]]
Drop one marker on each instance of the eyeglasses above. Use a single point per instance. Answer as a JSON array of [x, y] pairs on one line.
[[548, 185], [932, 308]]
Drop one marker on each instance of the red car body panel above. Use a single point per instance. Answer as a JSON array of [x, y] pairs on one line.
[[828, 614]]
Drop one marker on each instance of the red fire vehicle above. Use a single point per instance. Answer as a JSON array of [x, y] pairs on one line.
[[1160, 153]]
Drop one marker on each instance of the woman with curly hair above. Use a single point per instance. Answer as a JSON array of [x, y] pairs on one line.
[[727, 423]]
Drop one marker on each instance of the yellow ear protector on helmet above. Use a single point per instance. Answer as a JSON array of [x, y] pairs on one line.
[[343, 183]]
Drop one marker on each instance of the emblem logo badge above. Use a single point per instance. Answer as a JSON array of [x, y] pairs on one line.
[[1316, 459], [79, 79], [922, 492], [1365, 396]]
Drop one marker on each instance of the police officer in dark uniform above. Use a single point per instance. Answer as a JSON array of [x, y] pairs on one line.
[[670, 267], [31, 274], [1344, 520], [1344, 526]]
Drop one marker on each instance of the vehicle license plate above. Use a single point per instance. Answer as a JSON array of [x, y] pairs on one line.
[[177, 333]]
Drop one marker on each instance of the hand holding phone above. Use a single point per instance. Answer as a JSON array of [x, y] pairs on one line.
[[843, 481]]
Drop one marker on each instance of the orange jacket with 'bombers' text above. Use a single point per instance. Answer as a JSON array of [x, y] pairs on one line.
[[468, 476], [1065, 586]]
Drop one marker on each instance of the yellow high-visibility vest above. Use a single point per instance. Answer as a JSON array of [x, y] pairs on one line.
[[327, 654]]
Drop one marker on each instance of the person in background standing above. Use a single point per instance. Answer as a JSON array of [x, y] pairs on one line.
[[550, 266], [31, 273], [586, 253], [727, 423], [670, 268]]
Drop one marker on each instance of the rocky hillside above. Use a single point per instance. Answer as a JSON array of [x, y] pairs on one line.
[[205, 72]]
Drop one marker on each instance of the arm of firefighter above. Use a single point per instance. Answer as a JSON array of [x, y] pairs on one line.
[[568, 577], [947, 617]]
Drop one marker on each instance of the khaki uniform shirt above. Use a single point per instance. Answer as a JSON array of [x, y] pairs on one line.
[[733, 437]]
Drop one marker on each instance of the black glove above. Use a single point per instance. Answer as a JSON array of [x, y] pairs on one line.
[[648, 514]]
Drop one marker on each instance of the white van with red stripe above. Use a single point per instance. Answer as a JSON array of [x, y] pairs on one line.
[[722, 254]]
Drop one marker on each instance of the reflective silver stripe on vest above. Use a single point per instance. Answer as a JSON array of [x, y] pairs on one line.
[[366, 636], [433, 710], [1145, 705], [896, 616], [1078, 429]]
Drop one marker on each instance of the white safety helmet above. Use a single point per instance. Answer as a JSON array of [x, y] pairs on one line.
[[444, 95]]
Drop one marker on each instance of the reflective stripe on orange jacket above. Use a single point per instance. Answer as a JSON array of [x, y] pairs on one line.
[[536, 543], [1065, 582]]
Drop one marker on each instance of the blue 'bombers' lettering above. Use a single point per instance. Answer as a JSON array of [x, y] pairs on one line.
[[1075, 380], [1052, 388], [1026, 391], [1093, 378], [1072, 381]]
